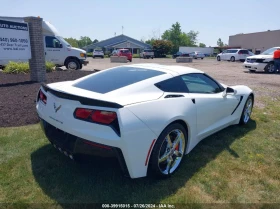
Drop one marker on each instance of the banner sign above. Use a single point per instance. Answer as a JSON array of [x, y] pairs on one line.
[[14, 40]]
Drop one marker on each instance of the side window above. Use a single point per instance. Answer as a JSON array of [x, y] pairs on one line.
[[175, 84], [200, 83], [52, 42]]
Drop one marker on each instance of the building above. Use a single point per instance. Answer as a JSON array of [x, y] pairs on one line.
[[119, 42], [256, 42]]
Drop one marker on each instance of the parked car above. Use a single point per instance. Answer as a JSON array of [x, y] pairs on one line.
[[233, 55], [251, 53], [180, 54], [147, 53], [149, 116], [123, 52], [261, 62], [196, 55], [98, 53]]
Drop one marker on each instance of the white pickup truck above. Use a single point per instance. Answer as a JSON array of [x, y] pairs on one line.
[[147, 53], [57, 50]]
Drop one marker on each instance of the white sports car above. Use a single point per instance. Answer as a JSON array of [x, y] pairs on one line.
[[147, 115]]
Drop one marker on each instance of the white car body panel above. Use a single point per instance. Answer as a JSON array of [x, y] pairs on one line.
[[144, 114]]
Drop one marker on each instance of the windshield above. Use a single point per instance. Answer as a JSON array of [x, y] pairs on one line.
[[63, 41], [269, 51]]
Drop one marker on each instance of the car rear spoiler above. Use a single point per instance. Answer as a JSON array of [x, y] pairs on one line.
[[82, 100]]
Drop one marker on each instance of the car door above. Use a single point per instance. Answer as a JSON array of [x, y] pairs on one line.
[[223, 55], [53, 50], [213, 109]]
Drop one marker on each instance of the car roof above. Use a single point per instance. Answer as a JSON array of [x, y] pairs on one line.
[[171, 69]]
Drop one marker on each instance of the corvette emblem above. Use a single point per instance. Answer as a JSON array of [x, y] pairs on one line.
[[56, 108]]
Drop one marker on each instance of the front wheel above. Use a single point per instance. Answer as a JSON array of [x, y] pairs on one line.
[[269, 68], [202, 58], [168, 151], [247, 110], [73, 64], [218, 58]]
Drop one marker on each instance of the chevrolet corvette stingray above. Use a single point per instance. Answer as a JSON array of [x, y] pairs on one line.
[[147, 115]]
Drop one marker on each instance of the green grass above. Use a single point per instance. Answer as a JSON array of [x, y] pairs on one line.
[[236, 165]]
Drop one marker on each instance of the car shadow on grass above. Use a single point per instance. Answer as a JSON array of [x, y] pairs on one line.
[[101, 180]]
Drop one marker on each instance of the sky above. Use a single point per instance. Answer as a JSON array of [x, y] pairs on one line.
[[101, 19]]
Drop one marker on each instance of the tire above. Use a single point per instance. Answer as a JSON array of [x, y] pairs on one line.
[[93, 57], [269, 68], [202, 58], [162, 148], [218, 58], [102, 57], [130, 60], [252, 71], [73, 64], [247, 110], [152, 57], [232, 59]]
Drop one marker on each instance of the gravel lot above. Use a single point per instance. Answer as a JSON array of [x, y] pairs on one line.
[[17, 93]]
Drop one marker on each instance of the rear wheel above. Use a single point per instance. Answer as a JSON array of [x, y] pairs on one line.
[[247, 110], [232, 59], [269, 68], [168, 151], [202, 58]]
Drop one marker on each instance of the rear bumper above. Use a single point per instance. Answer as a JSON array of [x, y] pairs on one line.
[[73, 146], [254, 66]]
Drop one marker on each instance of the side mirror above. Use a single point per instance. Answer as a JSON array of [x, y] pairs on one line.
[[229, 91], [60, 45]]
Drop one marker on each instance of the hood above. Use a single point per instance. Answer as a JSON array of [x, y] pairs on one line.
[[79, 50], [260, 56]]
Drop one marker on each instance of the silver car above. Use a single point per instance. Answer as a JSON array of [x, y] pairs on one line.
[[196, 55]]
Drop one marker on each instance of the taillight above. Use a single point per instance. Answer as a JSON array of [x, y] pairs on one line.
[[42, 97], [82, 113], [105, 117], [97, 116]]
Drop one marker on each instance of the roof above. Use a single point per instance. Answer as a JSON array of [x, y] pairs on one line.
[[172, 69], [118, 40], [268, 31]]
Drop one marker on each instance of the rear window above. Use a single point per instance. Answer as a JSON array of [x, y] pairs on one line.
[[98, 50], [124, 51], [116, 78]]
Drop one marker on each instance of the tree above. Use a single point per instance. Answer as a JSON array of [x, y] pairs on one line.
[[72, 41], [220, 43], [193, 37], [95, 41], [179, 38], [162, 47], [150, 41], [202, 45], [84, 41]]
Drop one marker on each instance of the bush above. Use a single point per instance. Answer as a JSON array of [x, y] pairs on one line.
[[16, 67], [89, 54], [136, 56], [23, 67], [50, 67]]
